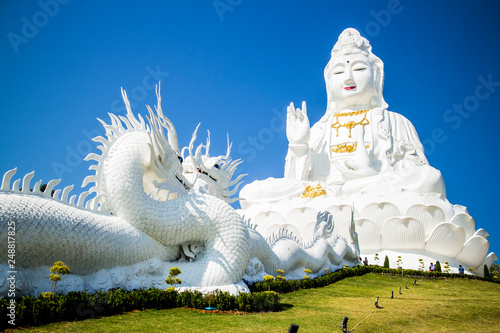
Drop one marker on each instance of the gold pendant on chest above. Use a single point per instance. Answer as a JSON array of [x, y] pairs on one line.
[[350, 124]]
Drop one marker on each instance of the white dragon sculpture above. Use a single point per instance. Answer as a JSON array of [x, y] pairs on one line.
[[152, 207]]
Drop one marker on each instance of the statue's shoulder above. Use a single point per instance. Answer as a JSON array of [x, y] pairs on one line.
[[398, 126], [396, 115], [391, 116]]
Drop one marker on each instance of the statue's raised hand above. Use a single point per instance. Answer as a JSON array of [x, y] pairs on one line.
[[297, 125]]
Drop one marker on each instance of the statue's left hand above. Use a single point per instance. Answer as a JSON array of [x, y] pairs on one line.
[[359, 165]]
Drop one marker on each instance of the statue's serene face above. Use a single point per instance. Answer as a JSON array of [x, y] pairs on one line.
[[352, 80]]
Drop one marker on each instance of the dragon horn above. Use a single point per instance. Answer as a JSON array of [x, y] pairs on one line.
[[191, 157], [130, 114], [171, 132], [229, 145], [207, 147]]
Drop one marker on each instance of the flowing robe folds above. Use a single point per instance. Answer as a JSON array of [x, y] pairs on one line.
[[394, 151]]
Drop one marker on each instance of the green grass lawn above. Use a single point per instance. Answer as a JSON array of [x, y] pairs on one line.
[[435, 305]]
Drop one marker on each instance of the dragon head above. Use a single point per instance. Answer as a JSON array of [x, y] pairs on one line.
[[164, 179], [212, 174], [172, 172]]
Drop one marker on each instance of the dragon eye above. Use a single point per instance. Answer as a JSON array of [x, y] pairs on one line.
[[217, 166], [180, 159]]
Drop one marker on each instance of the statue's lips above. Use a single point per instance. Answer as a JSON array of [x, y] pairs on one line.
[[350, 88]]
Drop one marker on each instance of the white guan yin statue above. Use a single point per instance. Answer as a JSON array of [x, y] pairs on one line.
[[152, 207], [361, 157]]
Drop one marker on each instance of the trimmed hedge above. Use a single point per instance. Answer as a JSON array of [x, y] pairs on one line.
[[292, 285], [41, 310], [427, 274], [35, 311]]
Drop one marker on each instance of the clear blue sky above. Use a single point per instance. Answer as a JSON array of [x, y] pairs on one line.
[[234, 65]]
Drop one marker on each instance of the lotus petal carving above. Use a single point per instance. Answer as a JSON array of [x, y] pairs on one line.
[[473, 252], [299, 217], [380, 212], [341, 215], [466, 222], [488, 261], [263, 219], [403, 233], [446, 239], [436, 199], [481, 232], [429, 216], [368, 235], [460, 209]]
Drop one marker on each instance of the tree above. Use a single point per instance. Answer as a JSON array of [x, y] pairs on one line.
[[280, 275], [421, 264], [268, 279], [486, 272], [57, 270], [438, 266], [495, 269], [446, 267], [174, 271], [386, 262]]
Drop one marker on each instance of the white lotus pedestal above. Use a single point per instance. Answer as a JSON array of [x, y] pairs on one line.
[[412, 226]]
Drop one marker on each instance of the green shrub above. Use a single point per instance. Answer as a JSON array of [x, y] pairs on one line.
[[35, 311], [58, 269], [46, 308], [191, 299], [486, 272], [265, 301], [495, 269], [438, 267], [47, 294], [292, 285], [244, 302], [225, 301], [386, 262], [171, 279]]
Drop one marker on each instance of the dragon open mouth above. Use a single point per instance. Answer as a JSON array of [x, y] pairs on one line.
[[183, 183], [206, 174]]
